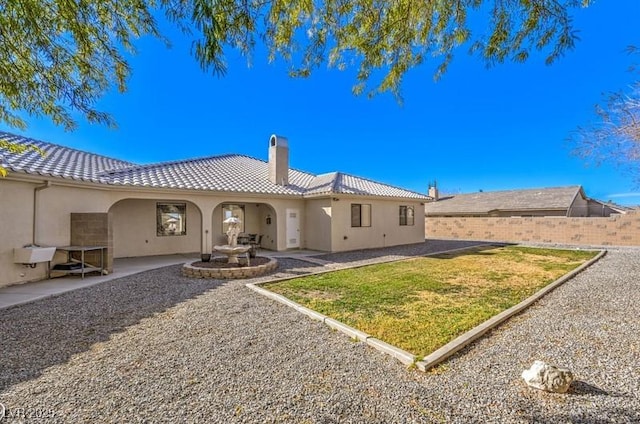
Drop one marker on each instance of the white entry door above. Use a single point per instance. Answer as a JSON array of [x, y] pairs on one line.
[[293, 228]]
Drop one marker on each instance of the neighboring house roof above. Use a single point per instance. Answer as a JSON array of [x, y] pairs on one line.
[[613, 206], [483, 203], [225, 173]]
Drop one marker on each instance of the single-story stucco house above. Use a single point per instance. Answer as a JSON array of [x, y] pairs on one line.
[[568, 201], [72, 197]]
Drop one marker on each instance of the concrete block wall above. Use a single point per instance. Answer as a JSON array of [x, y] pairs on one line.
[[617, 230], [93, 229]]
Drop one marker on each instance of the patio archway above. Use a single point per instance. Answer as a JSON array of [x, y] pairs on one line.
[[257, 218]]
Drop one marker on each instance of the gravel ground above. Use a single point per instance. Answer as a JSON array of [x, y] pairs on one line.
[[158, 347]]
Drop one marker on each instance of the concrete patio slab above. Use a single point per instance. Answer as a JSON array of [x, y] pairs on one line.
[[28, 292]]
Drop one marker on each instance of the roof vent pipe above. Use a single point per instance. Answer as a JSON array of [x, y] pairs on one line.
[[279, 160]]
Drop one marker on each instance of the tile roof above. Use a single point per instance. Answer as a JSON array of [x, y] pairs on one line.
[[225, 173], [340, 183], [483, 203], [57, 161], [228, 173]]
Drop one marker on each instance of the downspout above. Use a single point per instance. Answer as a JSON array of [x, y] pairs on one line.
[[37, 189]]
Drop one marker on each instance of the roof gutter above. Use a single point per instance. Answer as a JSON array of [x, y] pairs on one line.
[[36, 190]]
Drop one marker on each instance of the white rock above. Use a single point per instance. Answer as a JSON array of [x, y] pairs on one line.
[[548, 377]]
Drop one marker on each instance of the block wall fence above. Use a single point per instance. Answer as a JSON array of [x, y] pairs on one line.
[[617, 230], [93, 229]]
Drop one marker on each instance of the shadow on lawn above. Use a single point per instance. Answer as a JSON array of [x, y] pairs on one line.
[[429, 246], [40, 334], [476, 250]]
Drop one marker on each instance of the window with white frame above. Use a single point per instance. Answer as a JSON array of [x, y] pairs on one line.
[[407, 216], [360, 215]]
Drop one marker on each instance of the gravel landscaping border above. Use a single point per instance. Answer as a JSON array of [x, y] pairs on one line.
[[159, 347]]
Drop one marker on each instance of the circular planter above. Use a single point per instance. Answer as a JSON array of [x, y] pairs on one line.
[[228, 273]]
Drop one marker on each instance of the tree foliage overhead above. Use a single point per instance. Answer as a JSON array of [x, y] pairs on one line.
[[384, 38], [16, 149], [61, 56], [58, 57]]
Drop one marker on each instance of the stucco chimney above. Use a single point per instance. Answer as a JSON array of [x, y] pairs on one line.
[[278, 160], [433, 191]]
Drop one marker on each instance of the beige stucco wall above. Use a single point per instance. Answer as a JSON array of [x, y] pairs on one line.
[[269, 232], [135, 233], [16, 209], [324, 223], [54, 206], [385, 227], [256, 209], [318, 225]]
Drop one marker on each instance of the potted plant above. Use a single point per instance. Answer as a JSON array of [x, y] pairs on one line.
[[206, 257]]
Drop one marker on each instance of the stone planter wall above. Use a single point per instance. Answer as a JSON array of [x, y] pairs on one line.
[[229, 273]]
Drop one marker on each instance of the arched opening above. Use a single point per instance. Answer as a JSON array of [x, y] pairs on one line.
[[148, 227], [258, 219]]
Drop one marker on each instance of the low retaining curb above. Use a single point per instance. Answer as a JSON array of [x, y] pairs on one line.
[[401, 355], [472, 335], [229, 273]]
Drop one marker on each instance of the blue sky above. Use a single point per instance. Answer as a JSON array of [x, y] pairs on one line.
[[475, 129]]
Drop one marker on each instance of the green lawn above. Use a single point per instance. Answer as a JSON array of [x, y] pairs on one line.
[[421, 304]]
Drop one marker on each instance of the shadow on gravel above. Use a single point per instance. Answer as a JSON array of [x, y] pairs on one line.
[[418, 249], [40, 334], [288, 267], [604, 415], [581, 388]]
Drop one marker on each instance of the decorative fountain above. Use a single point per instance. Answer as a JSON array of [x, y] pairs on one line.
[[231, 249], [231, 269]]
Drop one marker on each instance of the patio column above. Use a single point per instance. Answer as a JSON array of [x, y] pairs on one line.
[[207, 239]]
